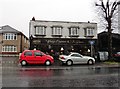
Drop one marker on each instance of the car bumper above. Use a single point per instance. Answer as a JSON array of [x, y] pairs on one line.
[[63, 61]]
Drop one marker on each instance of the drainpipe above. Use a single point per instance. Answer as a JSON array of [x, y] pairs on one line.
[[21, 43]]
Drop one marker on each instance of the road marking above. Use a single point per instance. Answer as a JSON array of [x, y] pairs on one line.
[[9, 62]]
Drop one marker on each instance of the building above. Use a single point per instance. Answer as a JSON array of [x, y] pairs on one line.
[[119, 17], [62, 36], [12, 42], [103, 41]]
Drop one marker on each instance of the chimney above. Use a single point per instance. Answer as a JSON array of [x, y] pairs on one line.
[[33, 19]]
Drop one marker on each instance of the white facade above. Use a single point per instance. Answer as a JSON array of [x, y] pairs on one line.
[[62, 29]]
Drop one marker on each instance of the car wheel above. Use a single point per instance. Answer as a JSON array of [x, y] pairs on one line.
[[23, 63], [47, 63], [69, 62], [90, 62]]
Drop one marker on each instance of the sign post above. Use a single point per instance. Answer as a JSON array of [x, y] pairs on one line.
[[91, 43]]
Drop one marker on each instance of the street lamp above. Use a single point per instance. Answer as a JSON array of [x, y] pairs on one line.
[[91, 44]]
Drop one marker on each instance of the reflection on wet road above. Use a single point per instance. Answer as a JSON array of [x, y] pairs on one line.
[[71, 71], [61, 76]]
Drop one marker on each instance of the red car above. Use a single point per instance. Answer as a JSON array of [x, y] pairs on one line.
[[35, 57], [117, 56]]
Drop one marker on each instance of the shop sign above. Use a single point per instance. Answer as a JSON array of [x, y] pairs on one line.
[[54, 41]]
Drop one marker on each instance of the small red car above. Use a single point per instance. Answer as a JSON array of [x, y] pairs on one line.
[[35, 57], [117, 56]]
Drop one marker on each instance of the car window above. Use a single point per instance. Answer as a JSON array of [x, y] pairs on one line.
[[76, 55], [28, 53], [37, 53], [118, 52]]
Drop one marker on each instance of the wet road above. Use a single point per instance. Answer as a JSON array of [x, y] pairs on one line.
[[60, 76]]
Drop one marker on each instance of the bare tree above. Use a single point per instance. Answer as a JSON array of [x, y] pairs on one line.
[[108, 11]]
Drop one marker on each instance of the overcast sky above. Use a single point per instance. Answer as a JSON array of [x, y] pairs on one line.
[[18, 13]]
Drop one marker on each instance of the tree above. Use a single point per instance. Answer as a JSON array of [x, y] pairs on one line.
[[108, 11]]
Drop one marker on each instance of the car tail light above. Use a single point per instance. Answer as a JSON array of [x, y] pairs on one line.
[[117, 55]]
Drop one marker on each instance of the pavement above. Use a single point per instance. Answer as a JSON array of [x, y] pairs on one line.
[[102, 64]]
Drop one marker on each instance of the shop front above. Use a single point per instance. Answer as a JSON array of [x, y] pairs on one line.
[[63, 45]]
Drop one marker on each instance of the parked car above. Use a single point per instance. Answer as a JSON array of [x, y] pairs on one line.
[[76, 58], [117, 56], [35, 57]]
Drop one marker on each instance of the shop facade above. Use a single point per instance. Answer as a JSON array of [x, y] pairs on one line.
[[63, 36]]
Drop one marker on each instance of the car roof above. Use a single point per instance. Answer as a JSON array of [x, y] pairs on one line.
[[31, 50], [74, 52]]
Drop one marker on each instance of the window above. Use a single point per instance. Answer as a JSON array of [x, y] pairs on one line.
[[76, 55], [37, 53], [9, 36], [73, 31], [9, 49], [40, 30], [89, 31], [25, 39], [28, 53], [56, 30]]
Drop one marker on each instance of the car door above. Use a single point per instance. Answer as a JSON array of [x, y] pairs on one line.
[[38, 57], [78, 59], [28, 56]]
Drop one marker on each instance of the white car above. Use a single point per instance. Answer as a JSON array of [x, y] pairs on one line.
[[76, 58]]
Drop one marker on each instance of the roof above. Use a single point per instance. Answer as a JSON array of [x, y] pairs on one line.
[[8, 29], [114, 35], [63, 21]]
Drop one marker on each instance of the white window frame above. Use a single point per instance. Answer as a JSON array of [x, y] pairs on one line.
[[73, 31], [56, 30], [9, 49], [40, 30], [9, 36], [89, 32]]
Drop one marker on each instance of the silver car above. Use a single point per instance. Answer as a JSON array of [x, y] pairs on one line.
[[76, 58]]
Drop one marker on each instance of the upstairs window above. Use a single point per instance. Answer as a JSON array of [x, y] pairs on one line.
[[73, 31], [40, 30], [57, 30], [89, 31], [10, 36]]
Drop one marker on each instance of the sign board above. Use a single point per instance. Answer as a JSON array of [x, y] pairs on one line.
[[103, 56], [91, 42]]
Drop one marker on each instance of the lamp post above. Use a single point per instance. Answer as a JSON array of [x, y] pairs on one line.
[[91, 46]]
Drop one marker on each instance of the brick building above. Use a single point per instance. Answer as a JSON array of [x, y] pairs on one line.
[[12, 41]]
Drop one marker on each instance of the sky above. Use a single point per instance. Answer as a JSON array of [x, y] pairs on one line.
[[18, 13]]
